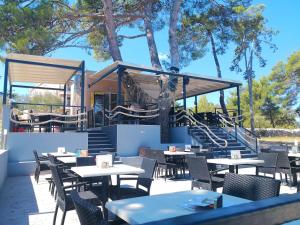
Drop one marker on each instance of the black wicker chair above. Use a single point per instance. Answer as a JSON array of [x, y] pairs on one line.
[[144, 180], [64, 201], [201, 176], [270, 163], [42, 164], [287, 167], [88, 213], [250, 187]]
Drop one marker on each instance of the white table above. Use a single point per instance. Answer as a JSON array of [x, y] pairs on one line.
[[57, 154], [67, 160], [94, 171], [294, 155], [178, 153], [158, 207], [234, 163]]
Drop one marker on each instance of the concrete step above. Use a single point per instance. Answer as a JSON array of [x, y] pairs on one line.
[[106, 145], [97, 150], [96, 135]]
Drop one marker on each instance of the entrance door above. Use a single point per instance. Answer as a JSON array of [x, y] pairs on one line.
[[103, 102]]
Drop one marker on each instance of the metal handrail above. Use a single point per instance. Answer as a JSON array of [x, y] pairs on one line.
[[241, 134], [201, 127]]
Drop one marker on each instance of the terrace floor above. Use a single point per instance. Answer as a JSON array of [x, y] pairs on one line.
[[24, 202]]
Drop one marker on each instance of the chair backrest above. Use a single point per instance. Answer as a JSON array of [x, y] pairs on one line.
[[135, 161], [198, 168], [52, 159], [250, 187], [283, 159], [36, 157], [270, 159], [145, 179], [88, 213], [85, 161], [61, 194]]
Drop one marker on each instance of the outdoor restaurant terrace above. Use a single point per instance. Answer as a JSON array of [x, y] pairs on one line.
[[211, 171]]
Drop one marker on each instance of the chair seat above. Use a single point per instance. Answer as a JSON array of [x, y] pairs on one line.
[[126, 192], [86, 195], [218, 179]]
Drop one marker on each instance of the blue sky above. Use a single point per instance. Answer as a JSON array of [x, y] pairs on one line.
[[282, 15]]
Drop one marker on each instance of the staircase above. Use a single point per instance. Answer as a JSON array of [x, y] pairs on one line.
[[232, 143], [98, 141]]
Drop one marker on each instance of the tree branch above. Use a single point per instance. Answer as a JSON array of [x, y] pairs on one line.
[[131, 37]]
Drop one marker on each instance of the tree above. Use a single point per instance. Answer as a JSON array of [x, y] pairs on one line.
[[211, 22], [250, 33], [205, 106], [270, 110]]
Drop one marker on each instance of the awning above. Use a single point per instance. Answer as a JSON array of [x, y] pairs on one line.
[[147, 78], [40, 69]]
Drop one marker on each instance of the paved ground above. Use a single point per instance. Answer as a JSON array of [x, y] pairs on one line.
[[23, 202]]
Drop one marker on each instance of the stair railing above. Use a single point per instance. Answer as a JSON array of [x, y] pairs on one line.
[[202, 127], [242, 134], [134, 113]]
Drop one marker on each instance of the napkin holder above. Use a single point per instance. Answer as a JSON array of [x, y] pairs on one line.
[[61, 150], [104, 161], [235, 154], [84, 153], [172, 148]]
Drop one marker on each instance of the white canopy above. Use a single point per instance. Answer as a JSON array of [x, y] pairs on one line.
[[40, 69]]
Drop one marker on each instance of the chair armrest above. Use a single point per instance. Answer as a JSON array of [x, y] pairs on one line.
[[75, 185], [218, 170]]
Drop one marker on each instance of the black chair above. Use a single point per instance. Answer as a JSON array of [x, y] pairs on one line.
[[169, 168], [270, 163], [42, 164], [287, 167], [250, 187], [201, 176], [85, 161], [64, 201], [88, 213], [144, 180]]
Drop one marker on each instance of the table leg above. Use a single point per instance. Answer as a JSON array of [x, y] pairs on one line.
[[105, 184], [231, 169], [236, 169]]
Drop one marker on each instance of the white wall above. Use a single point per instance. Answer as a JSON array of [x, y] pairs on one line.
[[21, 145], [3, 167]]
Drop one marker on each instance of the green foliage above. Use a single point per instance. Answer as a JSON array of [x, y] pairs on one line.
[[204, 105], [269, 102], [28, 26], [250, 34]]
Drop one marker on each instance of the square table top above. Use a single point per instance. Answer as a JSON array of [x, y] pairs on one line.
[[234, 162], [296, 155], [58, 154], [157, 207], [67, 160], [116, 169], [178, 153]]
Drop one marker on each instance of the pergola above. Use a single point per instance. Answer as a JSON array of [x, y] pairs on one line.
[[21, 69], [189, 85]]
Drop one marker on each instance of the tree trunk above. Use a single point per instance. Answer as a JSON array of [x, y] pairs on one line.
[[272, 120], [150, 36], [250, 82], [173, 42], [111, 31], [214, 51]]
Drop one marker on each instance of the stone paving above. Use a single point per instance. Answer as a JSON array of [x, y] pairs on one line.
[[24, 202]]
